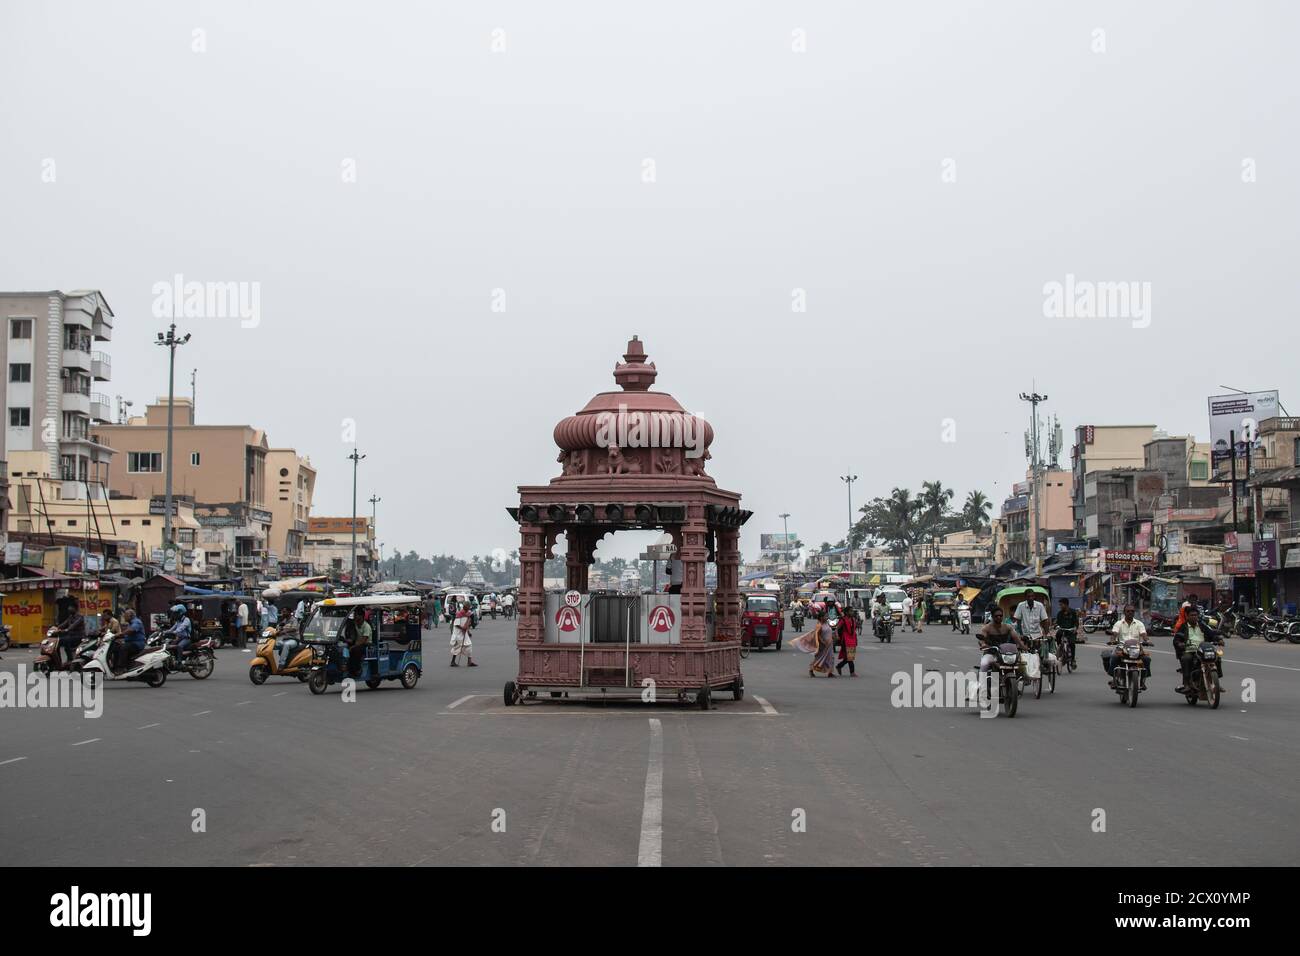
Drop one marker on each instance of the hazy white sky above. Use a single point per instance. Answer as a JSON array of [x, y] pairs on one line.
[[776, 170]]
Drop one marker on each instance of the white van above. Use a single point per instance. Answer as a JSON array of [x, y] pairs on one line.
[[894, 597]]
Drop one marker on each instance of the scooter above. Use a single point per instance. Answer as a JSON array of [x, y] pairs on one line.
[[199, 661], [52, 658], [963, 619], [266, 659], [150, 665]]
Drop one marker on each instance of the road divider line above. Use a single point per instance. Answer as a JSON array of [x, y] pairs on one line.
[[281, 694], [147, 726], [243, 702], [201, 713], [767, 708], [11, 760], [454, 704], [650, 851], [92, 740]]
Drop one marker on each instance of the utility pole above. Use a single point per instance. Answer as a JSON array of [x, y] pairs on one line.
[[1033, 398], [171, 343], [785, 523], [374, 524], [194, 390], [848, 480], [355, 458]]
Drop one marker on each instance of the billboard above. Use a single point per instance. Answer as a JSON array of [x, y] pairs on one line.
[[1239, 413], [777, 542]]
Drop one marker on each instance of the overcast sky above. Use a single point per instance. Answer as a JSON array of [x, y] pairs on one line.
[[134, 149]]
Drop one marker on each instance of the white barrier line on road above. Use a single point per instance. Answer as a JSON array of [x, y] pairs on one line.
[[650, 852], [11, 760], [92, 740], [455, 704], [767, 708], [1229, 660], [147, 726]]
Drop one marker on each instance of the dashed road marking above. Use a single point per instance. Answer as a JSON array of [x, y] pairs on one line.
[[454, 704], [147, 726], [92, 740], [767, 708], [281, 694], [650, 850], [201, 713], [243, 702], [11, 760]]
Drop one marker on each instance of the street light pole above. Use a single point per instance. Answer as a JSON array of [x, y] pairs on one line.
[[785, 523], [170, 341], [355, 458], [848, 480], [1033, 398], [374, 524]]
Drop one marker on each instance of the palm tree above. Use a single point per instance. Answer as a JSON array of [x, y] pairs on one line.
[[976, 511], [934, 500], [904, 510]]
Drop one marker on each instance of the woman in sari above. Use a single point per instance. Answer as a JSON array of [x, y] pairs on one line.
[[824, 653]]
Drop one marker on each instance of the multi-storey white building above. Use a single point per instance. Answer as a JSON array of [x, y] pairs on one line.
[[52, 370]]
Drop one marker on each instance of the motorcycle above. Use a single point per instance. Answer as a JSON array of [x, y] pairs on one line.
[[1008, 673], [796, 620], [884, 628], [52, 658], [1099, 622], [149, 666], [1205, 676], [963, 619], [1160, 625], [1127, 668], [266, 660], [199, 661], [1285, 626], [1250, 624]]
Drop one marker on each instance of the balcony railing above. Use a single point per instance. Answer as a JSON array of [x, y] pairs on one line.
[[100, 407], [101, 366]]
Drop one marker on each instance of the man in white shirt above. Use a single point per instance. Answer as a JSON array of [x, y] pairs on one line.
[[907, 613], [1128, 626]]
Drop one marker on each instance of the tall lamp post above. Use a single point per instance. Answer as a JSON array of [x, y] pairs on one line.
[[171, 342], [1033, 398], [849, 479], [374, 525], [355, 458], [785, 523]]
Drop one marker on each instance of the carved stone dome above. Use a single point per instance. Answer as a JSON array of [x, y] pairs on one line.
[[634, 430]]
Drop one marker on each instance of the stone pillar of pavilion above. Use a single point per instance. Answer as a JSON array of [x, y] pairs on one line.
[[532, 565], [692, 552], [727, 595]]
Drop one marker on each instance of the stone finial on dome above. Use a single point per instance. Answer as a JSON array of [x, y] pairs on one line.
[[634, 373]]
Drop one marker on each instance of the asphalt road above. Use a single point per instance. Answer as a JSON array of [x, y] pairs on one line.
[[803, 771]]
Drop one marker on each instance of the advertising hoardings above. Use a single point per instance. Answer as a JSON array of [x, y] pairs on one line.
[[1237, 417]]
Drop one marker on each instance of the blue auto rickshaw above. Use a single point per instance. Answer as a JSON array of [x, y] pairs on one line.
[[394, 651]]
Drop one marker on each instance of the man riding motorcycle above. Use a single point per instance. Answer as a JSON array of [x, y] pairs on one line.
[[181, 629], [1125, 628], [880, 612], [1189, 636], [129, 642], [71, 631], [992, 636]]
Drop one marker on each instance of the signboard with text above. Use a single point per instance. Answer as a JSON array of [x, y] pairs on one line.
[[1236, 418], [1128, 560], [1239, 564]]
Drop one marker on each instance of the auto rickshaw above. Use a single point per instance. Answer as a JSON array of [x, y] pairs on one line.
[[394, 651]]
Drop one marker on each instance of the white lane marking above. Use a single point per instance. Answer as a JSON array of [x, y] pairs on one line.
[[201, 713], [281, 694], [11, 760], [147, 726], [929, 648], [246, 651], [1229, 660], [1235, 737], [454, 704], [243, 702], [92, 740], [650, 852], [767, 708]]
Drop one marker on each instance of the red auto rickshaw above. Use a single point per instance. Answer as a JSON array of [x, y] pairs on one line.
[[762, 624]]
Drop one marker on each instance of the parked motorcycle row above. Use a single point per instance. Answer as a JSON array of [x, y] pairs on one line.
[[160, 657]]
